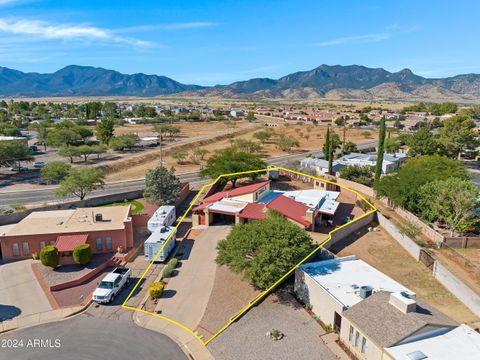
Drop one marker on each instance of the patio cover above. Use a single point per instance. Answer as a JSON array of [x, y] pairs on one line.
[[70, 242]]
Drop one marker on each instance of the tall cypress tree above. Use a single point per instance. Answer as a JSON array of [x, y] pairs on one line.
[[330, 156], [380, 150], [326, 146]]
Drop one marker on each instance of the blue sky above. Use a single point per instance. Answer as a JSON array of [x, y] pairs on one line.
[[218, 42]]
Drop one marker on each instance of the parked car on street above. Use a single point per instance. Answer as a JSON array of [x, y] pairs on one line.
[[111, 285], [39, 164], [19, 168]]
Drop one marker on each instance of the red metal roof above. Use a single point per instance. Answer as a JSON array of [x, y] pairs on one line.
[[253, 211], [243, 190], [290, 208], [70, 242]]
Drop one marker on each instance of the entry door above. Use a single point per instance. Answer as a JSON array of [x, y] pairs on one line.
[[337, 323]]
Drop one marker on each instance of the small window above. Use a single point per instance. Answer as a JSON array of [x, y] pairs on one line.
[[364, 345], [26, 249], [108, 243], [357, 338], [15, 249], [42, 244], [350, 335], [99, 244], [52, 242]]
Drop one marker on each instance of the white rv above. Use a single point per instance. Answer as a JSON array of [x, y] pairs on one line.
[[164, 216], [155, 242]]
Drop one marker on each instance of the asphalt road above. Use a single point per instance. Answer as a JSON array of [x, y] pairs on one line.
[[47, 194], [85, 338]]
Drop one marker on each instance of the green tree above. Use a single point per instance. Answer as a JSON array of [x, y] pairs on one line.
[[350, 147], [422, 142], [87, 150], [198, 154], [245, 145], [104, 130], [286, 143], [392, 145], [360, 174], [332, 143], [179, 154], [402, 186], [122, 142], [263, 251], [229, 161], [380, 150], [162, 187], [110, 109], [82, 254], [250, 116], [452, 202], [264, 135], [457, 135], [13, 152], [55, 171], [61, 136], [79, 182], [49, 256], [70, 152], [9, 130]]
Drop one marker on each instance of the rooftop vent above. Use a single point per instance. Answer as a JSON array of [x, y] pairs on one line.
[[365, 291], [98, 217]]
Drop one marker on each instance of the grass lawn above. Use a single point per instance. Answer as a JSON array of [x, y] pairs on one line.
[[137, 206]]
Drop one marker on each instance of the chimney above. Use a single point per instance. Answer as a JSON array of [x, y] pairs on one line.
[[403, 303], [310, 216]]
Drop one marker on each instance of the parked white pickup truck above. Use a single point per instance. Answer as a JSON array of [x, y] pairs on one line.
[[111, 285]]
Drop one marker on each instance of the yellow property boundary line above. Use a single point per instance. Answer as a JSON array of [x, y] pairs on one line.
[[266, 292]]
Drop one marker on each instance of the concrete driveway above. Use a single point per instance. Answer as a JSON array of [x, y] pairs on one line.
[[20, 293], [186, 296]]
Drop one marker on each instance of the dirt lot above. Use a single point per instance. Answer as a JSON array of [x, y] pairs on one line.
[[384, 253], [309, 138]]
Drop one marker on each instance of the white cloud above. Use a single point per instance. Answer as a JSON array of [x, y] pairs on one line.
[[46, 30], [360, 39]]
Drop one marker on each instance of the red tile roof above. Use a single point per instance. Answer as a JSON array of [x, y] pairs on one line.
[[243, 190], [70, 242], [290, 209], [253, 211]]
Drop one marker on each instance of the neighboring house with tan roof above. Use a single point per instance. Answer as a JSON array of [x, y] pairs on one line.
[[104, 228]]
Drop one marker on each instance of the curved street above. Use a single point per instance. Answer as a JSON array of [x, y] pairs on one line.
[[87, 338]]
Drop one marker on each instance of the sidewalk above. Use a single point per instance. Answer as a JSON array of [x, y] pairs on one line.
[[40, 318], [191, 345]]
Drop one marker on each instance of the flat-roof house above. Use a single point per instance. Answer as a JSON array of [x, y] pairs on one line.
[[104, 228], [320, 166], [305, 208], [375, 316], [335, 285], [460, 343], [390, 162]]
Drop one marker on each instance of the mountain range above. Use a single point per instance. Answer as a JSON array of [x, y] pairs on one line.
[[325, 81]]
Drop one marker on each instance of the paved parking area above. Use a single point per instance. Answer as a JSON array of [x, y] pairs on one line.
[[20, 293], [246, 339]]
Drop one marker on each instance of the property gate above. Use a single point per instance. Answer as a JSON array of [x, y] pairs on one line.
[[426, 259]]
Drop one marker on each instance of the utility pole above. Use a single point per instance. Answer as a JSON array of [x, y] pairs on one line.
[[330, 156]]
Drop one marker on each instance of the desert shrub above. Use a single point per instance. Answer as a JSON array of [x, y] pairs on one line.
[[49, 256], [410, 230], [82, 254], [173, 263], [35, 256], [168, 271], [156, 290]]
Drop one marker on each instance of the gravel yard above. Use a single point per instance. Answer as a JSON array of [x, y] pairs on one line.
[[246, 339]]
